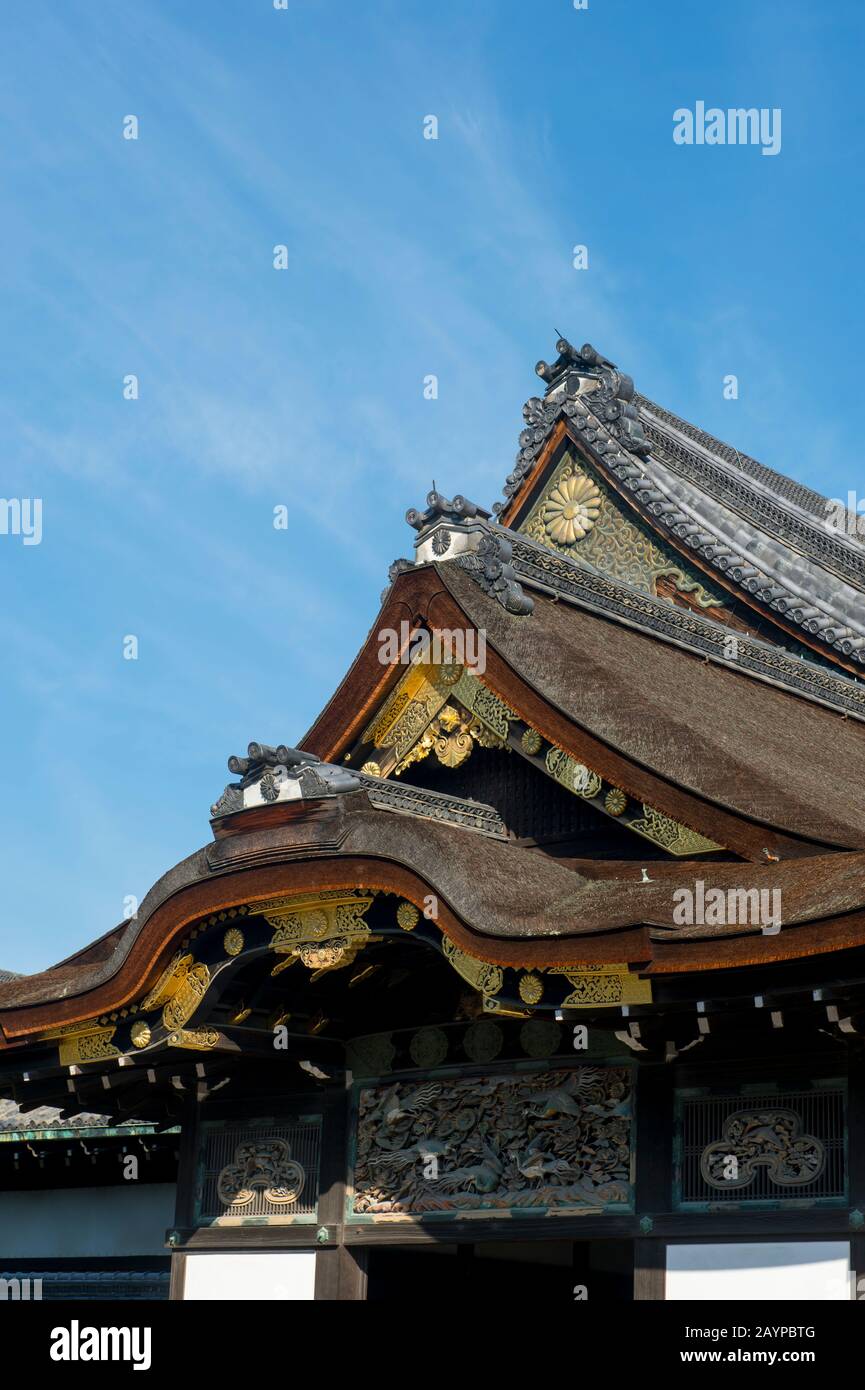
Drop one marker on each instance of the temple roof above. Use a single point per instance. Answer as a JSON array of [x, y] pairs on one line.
[[666, 635], [733, 740], [795, 555]]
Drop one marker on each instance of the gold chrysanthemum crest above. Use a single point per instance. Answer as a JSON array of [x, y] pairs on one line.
[[531, 988], [531, 742], [407, 916], [140, 1033], [571, 510]]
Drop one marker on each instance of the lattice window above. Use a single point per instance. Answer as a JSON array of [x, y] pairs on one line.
[[264, 1170], [770, 1147]]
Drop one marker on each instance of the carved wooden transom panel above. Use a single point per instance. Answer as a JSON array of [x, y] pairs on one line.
[[549, 1142]]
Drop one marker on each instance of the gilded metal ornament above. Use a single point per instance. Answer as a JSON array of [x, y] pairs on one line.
[[486, 978], [653, 825], [89, 1045], [186, 997], [232, 942], [324, 931], [169, 981], [597, 986], [406, 714], [670, 835], [140, 1033], [453, 742], [495, 1006], [448, 673], [325, 956], [193, 1039], [407, 916], [531, 742], [485, 705], [531, 988], [444, 709], [576, 777]]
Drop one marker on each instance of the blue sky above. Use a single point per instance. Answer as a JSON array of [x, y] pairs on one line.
[[304, 387]]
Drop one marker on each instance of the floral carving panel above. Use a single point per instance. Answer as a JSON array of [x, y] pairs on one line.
[[554, 1141], [580, 516]]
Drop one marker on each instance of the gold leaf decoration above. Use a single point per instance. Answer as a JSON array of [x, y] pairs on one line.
[[93, 1045], [531, 742], [670, 835], [324, 932], [600, 985], [486, 978], [407, 916], [617, 544], [169, 982], [578, 778], [193, 1039], [140, 1033], [232, 942], [531, 988], [571, 510], [186, 999]]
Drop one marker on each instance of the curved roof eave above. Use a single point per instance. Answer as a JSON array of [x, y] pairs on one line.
[[499, 902]]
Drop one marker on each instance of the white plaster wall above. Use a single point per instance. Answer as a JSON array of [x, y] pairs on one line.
[[85, 1221], [817, 1271], [286, 1275]]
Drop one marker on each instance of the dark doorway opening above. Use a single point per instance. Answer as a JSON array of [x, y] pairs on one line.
[[597, 1271]]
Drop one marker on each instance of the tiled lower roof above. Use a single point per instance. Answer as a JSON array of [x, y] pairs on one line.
[[15, 1120]]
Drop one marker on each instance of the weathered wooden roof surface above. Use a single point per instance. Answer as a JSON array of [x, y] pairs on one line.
[[739, 743]]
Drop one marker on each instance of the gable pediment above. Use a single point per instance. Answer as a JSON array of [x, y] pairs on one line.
[[574, 511], [771, 547], [444, 712]]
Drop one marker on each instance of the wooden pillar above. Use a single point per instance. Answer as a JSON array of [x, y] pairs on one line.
[[184, 1202], [340, 1271], [650, 1270], [187, 1168], [653, 1195]]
